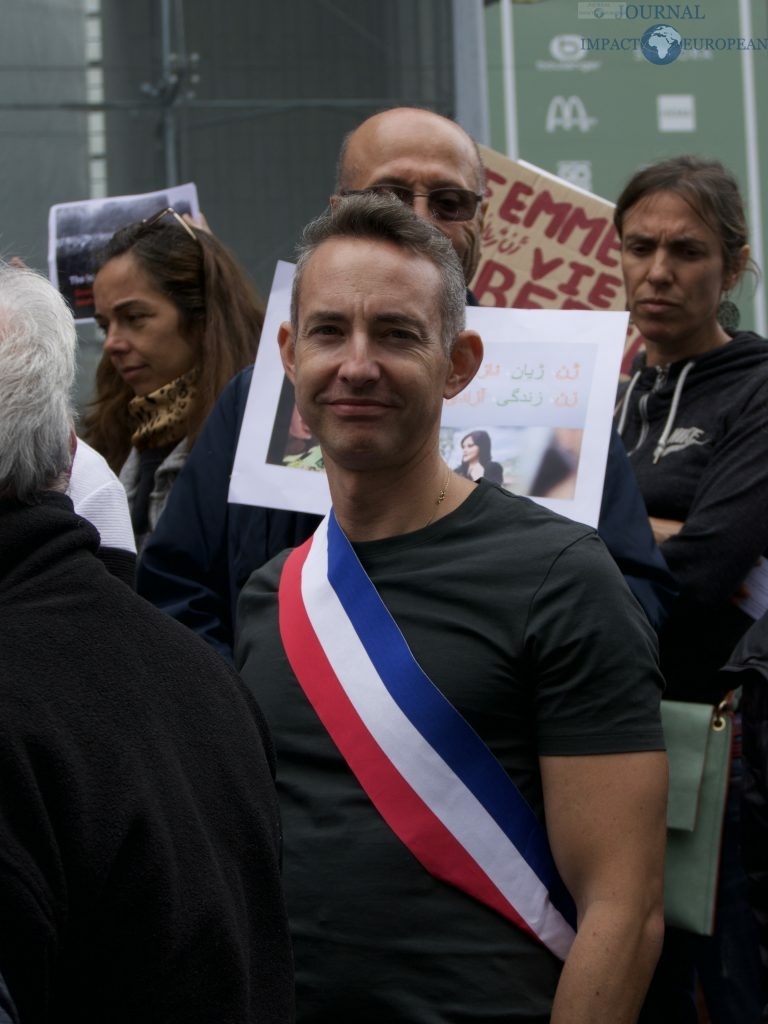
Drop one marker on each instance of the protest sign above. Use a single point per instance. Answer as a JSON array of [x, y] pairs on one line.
[[547, 244], [78, 231], [543, 396]]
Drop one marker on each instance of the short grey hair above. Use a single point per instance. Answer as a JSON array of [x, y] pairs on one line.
[[38, 343], [383, 218]]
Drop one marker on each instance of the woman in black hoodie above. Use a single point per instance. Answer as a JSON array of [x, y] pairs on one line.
[[694, 419]]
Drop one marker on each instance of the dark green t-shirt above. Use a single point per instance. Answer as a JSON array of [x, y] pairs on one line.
[[523, 621]]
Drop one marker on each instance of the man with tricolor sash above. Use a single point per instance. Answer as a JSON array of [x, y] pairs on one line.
[[440, 668]]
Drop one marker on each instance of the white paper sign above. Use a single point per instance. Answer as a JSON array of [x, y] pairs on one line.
[[544, 395], [78, 231]]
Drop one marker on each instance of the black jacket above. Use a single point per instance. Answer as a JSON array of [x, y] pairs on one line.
[[139, 830], [749, 665], [697, 436]]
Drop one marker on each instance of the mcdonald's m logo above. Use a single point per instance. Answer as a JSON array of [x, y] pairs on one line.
[[567, 114]]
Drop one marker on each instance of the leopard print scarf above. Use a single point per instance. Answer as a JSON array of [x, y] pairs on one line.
[[161, 416]]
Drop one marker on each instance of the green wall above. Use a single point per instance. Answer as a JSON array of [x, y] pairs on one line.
[[595, 115]]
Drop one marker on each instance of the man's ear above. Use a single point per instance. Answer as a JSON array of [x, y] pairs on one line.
[[333, 201], [465, 359], [287, 345]]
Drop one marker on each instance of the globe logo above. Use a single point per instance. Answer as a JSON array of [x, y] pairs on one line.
[[661, 44]]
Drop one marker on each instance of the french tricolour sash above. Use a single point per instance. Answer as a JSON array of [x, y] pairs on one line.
[[427, 772]]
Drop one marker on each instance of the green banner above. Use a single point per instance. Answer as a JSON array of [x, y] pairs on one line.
[[591, 91]]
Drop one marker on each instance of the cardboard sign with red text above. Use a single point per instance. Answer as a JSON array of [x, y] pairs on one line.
[[547, 245]]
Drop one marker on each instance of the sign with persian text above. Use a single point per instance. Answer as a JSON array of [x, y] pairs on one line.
[[536, 418]]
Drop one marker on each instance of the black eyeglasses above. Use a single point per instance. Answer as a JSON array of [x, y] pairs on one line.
[[444, 203], [169, 212]]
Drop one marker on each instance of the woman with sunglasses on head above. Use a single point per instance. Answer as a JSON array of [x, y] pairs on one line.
[[694, 419], [180, 319]]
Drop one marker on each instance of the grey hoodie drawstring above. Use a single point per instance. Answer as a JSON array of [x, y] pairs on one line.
[[625, 401], [658, 451]]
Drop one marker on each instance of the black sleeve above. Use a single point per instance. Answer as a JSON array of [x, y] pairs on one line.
[[726, 529], [625, 530]]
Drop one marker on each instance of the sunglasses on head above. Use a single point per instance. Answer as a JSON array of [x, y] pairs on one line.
[[169, 212], [449, 204]]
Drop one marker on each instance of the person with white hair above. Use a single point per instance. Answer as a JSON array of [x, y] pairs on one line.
[[139, 831], [38, 357], [99, 496]]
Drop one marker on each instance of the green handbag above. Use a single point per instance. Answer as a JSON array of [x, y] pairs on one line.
[[698, 739]]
